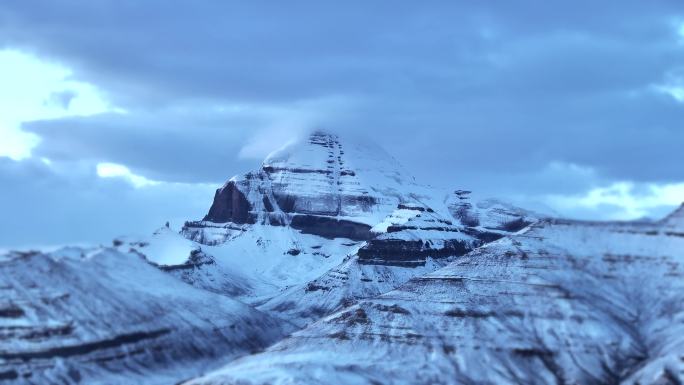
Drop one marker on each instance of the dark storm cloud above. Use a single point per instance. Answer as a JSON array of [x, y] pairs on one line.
[[276, 50], [626, 137], [536, 82], [482, 95]]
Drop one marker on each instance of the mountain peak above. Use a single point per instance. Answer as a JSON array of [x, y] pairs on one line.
[[324, 150], [322, 184], [676, 218]]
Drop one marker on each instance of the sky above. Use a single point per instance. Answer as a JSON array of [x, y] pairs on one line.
[[118, 115]]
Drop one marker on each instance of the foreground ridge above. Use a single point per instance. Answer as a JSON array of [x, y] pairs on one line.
[[560, 302], [77, 316]]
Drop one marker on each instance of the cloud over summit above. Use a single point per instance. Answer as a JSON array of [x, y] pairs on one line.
[[485, 96]]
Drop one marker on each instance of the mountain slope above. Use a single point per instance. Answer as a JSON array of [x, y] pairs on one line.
[[561, 302], [415, 241], [253, 265], [101, 316], [674, 223]]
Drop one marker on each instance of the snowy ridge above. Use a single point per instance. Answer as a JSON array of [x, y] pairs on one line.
[[254, 264], [675, 221], [101, 316], [341, 287], [560, 302], [489, 214]]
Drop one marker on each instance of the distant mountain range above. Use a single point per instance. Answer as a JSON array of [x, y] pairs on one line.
[[331, 265]]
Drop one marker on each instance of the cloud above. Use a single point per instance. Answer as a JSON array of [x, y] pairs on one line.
[[534, 82], [113, 170], [35, 89], [62, 99], [521, 100], [187, 143], [673, 84], [60, 203], [305, 50], [622, 201]]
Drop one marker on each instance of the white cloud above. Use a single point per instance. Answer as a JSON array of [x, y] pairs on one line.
[[675, 91], [266, 141], [113, 170], [29, 88], [631, 200], [291, 122]]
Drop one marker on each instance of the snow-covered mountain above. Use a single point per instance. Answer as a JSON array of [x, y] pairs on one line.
[[104, 317], [320, 186], [561, 302], [390, 282], [325, 222], [674, 223]]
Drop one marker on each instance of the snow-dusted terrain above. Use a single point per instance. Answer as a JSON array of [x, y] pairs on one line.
[[390, 281], [562, 302], [326, 222], [101, 316]]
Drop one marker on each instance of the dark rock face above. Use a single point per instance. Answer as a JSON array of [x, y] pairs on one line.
[[407, 253], [9, 375], [12, 311], [425, 235], [196, 260], [328, 227], [267, 204], [464, 213], [230, 205], [515, 225], [115, 342], [483, 235]]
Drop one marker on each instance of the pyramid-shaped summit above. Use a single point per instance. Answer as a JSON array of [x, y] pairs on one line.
[[321, 185]]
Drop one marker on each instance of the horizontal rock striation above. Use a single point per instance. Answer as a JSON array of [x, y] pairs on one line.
[[405, 253], [330, 227], [101, 316], [425, 234], [560, 302]]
